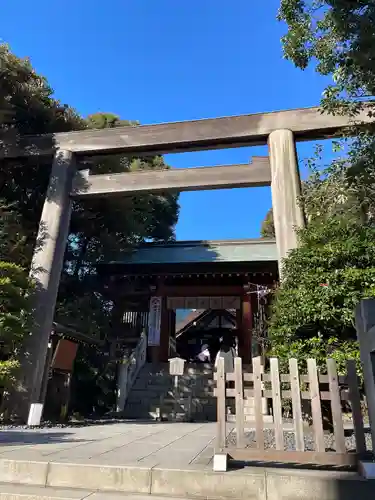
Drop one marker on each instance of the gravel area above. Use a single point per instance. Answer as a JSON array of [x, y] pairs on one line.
[[66, 425], [289, 440]]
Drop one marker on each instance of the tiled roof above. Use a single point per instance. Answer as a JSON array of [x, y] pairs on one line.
[[192, 316], [185, 252]]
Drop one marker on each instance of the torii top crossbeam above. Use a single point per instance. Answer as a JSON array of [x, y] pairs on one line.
[[212, 133]]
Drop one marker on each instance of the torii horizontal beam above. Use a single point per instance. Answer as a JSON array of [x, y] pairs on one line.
[[212, 133], [257, 173]]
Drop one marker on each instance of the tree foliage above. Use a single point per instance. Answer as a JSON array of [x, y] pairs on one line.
[[330, 271], [334, 265], [99, 228], [336, 247], [267, 229], [339, 37], [29, 108], [15, 308], [325, 277], [14, 318]]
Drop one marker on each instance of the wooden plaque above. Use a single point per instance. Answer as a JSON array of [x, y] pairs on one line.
[[65, 355], [231, 302], [191, 303], [216, 303], [176, 303], [203, 303]]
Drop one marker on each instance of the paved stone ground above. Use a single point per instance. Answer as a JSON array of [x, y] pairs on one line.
[[169, 459], [159, 444]]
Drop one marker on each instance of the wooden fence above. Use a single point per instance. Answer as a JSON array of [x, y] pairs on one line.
[[296, 388]]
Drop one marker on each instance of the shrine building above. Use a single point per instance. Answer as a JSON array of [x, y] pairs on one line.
[[149, 283]]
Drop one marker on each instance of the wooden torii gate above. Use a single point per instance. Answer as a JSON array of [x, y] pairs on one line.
[[279, 129]]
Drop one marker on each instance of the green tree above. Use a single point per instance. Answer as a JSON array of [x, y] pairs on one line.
[[267, 229], [324, 278], [99, 228], [14, 299], [330, 271], [337, 37], [28, 108], [14, 318], [334, 266]]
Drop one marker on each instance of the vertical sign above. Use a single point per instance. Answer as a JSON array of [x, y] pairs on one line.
[[154, 321]]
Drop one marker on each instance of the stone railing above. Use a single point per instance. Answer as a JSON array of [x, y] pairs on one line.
[[128, 371]]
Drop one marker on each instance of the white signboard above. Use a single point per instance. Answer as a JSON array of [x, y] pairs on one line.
[[35, 414], [176, 366], [154, 318]]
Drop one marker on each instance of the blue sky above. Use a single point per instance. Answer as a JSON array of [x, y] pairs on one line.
[[170, 60]]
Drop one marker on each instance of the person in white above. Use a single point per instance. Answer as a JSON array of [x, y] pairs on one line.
[[228, 353], [204, 355]]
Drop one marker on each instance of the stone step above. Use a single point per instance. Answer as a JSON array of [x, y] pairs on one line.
[[141, 407], [187, 377], [65, 481], [154, 387], [187, 371], [139, 410], [155, 398], [140, 383], [268, 419], [21, 492], [142, 386]]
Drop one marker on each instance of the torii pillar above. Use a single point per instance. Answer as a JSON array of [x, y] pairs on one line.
[[286, 188], [45, 272]]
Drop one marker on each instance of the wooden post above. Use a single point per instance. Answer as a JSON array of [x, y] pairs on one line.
[[220, 461], [221, 406], [172, 331], [45, 272], [296, 404], [240, 412], [365, 326], [164, 332], [245, 339], [355, 402], [176, 396], [117, 315], [154, 328], [47, 367], [67, 387], [316, 408], [286, 189], [334, 389], [276, 401], [257, 370]]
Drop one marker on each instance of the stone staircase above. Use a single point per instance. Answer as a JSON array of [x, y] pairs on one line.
[[153, 396]]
